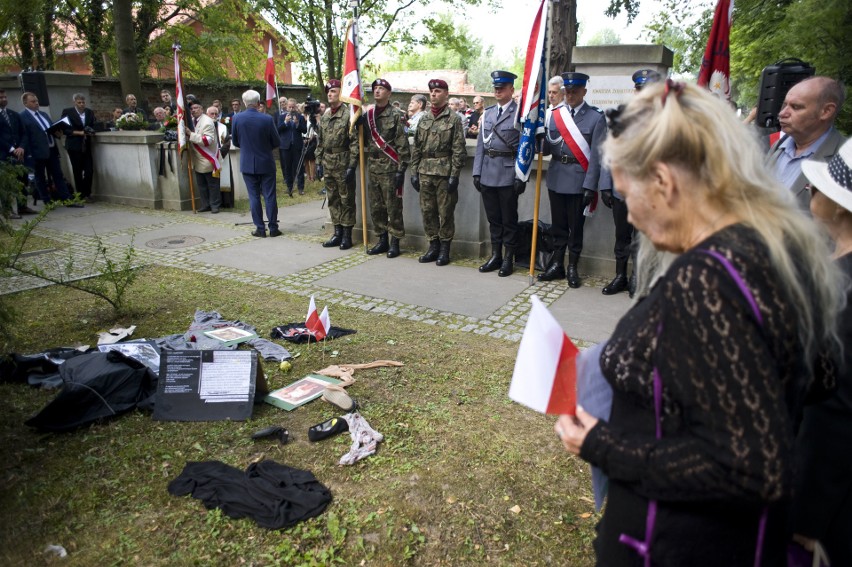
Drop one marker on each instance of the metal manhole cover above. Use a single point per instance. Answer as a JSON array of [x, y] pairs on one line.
[[180, 241]]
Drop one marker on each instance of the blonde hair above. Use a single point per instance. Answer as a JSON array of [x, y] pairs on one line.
[[688, 127]]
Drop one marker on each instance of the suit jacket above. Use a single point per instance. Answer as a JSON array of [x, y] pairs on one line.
[[254, 133], [37, 146], [12, 135], [204, 144], [826, 151], [499, 135], [291, 133], [569, 178], [76, 143]]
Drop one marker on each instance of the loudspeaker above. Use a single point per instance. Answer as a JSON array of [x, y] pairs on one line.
[[775, 81], [33, 81]]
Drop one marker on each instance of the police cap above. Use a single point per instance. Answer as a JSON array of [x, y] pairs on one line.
[[574, 79], [502, 78], [644, 76]]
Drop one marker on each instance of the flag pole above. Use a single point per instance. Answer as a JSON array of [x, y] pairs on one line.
[[534, 243], [363, 184], [191, 176]]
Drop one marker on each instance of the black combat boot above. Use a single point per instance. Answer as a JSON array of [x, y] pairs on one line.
[[346, 241], [573, 275], [381, 246], [556, 269], [508, 265], [495, 260], [393, 251], [432, 254], [619, 283], [444, 254], [335, 239]]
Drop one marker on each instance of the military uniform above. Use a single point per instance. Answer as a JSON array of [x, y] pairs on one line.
[[337, 151], [570, 187], [494, 177], [438, 154], [386, 175]]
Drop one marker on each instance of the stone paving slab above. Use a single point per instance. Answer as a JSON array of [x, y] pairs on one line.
[[92, 220], [208, 233], [587, 314], [279, 256], [446, 288]]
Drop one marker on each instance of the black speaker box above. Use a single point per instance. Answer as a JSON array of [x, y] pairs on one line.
[[33, 81], [775, 81]]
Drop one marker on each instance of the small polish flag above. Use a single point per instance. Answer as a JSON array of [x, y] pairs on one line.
[[545, 376], [312, 320], [325, 322]]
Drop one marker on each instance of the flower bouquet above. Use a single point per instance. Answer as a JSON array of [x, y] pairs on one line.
[[171, 124], [131, 121]]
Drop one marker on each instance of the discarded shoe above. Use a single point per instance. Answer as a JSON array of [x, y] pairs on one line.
[[337, 396], [275, 431], [327, 429]]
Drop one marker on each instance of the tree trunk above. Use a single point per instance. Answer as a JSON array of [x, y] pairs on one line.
[[128, 69], [47, 16], [330, 54], [563, 26]]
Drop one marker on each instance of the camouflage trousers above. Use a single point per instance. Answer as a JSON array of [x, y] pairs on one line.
[[385, 206], [438, 208], [341, 198]]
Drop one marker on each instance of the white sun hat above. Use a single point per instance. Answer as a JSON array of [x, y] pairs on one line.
[[833, 179]]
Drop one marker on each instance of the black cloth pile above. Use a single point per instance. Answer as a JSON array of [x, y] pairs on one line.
[[298, 333], [38, 370], [96, 386], [273, 495]]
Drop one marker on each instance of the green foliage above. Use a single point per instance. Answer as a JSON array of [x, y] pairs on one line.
[[606, 36], [683, 27]]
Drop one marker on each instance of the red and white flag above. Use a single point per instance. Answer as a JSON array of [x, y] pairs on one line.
[[269, 75], [325, 321], [318, 325], [715, 72], [312, 318], [545, 377], [181, 109], [351, 91]]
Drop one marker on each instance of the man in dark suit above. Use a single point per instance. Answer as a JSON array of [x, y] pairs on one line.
[[494, 174], [291, 126], [42, 151], [78, 142], [12, 146], [575, 131], [254, 133]]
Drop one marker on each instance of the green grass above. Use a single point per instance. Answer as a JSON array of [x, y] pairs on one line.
[[457, 455]]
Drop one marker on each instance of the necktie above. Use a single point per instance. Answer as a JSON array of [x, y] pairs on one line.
[[499, 112], [44, 124], [5, 117], [572, 113]]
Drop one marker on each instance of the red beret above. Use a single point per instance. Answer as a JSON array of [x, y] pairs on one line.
[[382, 83], [438, 84], [332, 84]]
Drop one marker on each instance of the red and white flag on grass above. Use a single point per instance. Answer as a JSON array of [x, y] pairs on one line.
[[318, 325], [269, 75], [715, 72], [545, 377], [351, 91], [181, 108]]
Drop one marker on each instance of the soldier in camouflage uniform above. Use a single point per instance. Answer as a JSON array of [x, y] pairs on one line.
[[437, 158], [337, 154], [387, 158]]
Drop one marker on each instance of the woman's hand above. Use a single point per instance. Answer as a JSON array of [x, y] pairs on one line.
[[572, 430]]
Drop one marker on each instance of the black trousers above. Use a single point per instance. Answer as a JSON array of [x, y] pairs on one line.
[[501, 210], [623, 230], [289, 162], [566, 214], [83, 168]]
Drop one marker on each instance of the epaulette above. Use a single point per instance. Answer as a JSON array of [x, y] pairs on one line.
[[595, 108]]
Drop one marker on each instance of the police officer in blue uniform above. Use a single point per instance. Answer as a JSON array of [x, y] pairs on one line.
[[624, 230], [571, 187], [494, 174]]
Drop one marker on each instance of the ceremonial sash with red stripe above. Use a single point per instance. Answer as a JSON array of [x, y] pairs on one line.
[[377, 138], [572, 137]]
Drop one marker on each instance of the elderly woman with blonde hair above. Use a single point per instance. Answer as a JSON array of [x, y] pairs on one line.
[[710, 371]]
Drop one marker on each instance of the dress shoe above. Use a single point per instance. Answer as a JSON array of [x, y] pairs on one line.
[[444, 253], [26, 211], [274, 232], [214, 212], [573, 276], [554, 272], [432, 254], [259, 233], [617, 285], [204, 210]]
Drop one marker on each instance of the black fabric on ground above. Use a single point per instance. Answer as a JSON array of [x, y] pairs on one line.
[[273, 495], [548, 237], [95, 386], [39, 369], [297, 333]]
